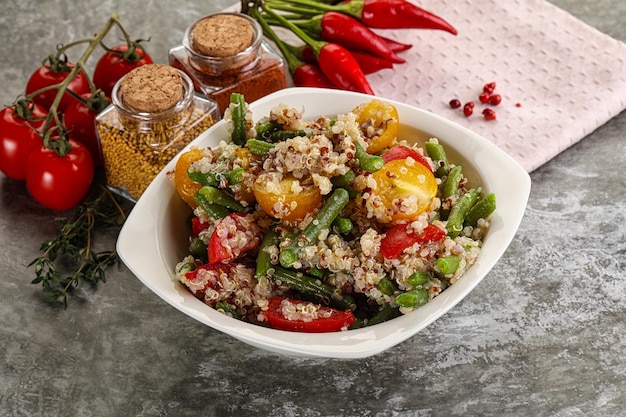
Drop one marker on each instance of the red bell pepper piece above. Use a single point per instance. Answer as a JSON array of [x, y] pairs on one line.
[[397, 239], [351, 34], [225, 242], [403, 152], [328, 320], [197, 226]]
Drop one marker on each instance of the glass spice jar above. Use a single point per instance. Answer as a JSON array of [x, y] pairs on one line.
[[226, 53], [154, 114]]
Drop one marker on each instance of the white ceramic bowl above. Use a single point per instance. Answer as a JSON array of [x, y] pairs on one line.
[[154, 237]]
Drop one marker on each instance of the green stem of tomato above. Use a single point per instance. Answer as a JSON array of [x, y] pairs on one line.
[[79, 66]]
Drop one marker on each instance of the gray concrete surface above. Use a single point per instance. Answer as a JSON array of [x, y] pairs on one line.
[[542, 335]]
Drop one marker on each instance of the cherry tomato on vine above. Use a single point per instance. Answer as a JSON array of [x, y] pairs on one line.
[[116, 63], [80, 121], [18, 137], [327, 320], [59, 182], [47, 75]]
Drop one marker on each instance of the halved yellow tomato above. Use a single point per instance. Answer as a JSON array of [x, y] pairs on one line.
[[185, 186], [289, 202], [407, 190], [379, 122]]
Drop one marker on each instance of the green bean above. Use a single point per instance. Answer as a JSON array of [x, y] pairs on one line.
[[419, 278], [342, 225], [227, 309], [259, 147], [264, 129], [221, 198], [198, 248], [386, 286], [344, 181], [481, 210], [450, 186], [385, 314], [367, 162], [412, 298], [215, 178], [459, 210], [317, 273], [214, 211], [263, 258], [439, 157], [313, 286], [323, 220], [281, 135], [448, 264], [238, 116]]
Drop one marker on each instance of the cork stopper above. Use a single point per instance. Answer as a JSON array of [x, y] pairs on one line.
[[222, 35], [152, 88]]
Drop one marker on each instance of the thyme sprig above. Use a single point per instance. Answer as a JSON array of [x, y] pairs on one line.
[[74, 246]]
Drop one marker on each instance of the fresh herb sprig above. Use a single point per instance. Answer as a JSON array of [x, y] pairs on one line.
[[74, 246]]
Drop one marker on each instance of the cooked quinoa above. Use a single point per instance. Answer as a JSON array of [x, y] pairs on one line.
[[352, 263]]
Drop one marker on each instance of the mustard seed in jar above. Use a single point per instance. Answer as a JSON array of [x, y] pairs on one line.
[[155, 113], [226, 53]]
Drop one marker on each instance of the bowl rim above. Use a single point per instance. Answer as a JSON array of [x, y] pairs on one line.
[[497, 171]]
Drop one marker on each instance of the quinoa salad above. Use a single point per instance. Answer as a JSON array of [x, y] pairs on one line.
[[325, 224]]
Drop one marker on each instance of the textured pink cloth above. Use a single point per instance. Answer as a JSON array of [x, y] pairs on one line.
[[567, 77]]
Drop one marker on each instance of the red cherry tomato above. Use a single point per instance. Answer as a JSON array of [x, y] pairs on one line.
[[397, 239], [59, 182], [403, 152], [233, 236], [327, 320], [18, 139], [44, 76], [112, 66], [80, 122]]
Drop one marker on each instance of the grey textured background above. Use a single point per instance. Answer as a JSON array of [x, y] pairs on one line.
[[542, 335]]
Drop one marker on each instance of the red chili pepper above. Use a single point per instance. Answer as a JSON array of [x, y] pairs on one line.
[[397, 239], [342, 69], [309, 75], [370, 63], [396, 46], [335, 61], [351, 34], [383, 14]]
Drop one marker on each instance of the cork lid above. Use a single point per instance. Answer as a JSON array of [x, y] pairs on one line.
[[152, 88], [222, 35]]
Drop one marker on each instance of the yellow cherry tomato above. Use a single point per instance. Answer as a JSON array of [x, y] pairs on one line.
[[379, 123], [288, 202], [406, 190], [185, 186]]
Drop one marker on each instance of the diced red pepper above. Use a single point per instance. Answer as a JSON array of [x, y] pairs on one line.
[[198, 225], [234, 235], [328, 320], [397, 239], [403, 152]]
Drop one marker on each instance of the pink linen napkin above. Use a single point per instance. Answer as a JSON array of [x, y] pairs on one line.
[[558, 77]]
